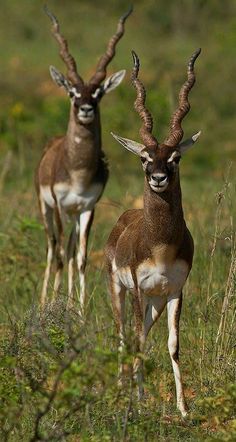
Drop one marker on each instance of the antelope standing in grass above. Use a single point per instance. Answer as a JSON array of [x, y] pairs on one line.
[[150, 251], [72, 173]]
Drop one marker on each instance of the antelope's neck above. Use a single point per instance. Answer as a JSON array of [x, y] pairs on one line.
[[163, 214], [83, 142]]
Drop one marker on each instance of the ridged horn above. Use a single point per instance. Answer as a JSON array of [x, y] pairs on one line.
[[101, 69], [69, 61], [139, 105], [176, 131]]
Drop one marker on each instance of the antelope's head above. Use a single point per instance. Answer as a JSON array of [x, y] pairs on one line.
[[85, 97], [160, 160]]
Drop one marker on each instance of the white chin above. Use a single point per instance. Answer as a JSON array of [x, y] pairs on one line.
[[85, 120], [158, 189]]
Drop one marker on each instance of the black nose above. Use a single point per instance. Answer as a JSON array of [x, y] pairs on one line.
[[86, 108], [159, 178]]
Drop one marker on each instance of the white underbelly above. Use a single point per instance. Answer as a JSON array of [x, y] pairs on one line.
[[156, 279], [153, 279], [72, 198]]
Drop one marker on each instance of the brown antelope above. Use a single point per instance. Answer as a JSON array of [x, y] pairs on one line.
[[72, 173], [150, 251]]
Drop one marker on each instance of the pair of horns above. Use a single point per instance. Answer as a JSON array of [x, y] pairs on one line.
[[101, 69], [176, 131]]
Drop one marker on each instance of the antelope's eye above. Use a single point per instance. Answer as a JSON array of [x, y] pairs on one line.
[[143, 159], [177, 159], [97, 93]]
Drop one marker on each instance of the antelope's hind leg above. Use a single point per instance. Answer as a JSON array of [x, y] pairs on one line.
[[59, 251], [47, 215], [154, 306], [117, 292], [174, 305], [71, 251], [147, 310], [139, 315]]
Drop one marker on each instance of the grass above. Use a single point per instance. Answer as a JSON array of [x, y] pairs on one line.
[[35, 351]]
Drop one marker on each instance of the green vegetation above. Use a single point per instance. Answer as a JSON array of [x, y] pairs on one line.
[[58, 375]]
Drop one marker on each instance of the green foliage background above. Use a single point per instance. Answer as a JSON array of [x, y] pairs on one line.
[[88, 405]]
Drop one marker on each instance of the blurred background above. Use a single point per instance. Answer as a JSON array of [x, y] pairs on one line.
[[164, 33], [33, 108]]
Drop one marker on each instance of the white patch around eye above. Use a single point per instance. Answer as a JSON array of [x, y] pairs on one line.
[[147, 157], [96, 93], [74, 91], [173, 156]]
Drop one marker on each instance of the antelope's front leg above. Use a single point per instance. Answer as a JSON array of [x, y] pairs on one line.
[[174, 305], [86, 219]]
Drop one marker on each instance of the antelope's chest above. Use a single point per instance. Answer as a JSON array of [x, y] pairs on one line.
[[156, 278], [160, 278], [73, 197]]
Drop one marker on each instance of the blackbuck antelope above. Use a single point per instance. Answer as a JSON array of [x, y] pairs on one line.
[[150, 251], [72, 173]]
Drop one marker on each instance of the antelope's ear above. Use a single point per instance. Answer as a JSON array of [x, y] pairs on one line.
[[59, 79], [113, 81], [185, 145], [134, 147], [131, 145]]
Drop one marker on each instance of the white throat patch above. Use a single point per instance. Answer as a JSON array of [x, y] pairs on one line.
[[78, 140]]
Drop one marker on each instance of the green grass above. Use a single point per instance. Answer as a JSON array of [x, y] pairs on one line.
[[88, 405]]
